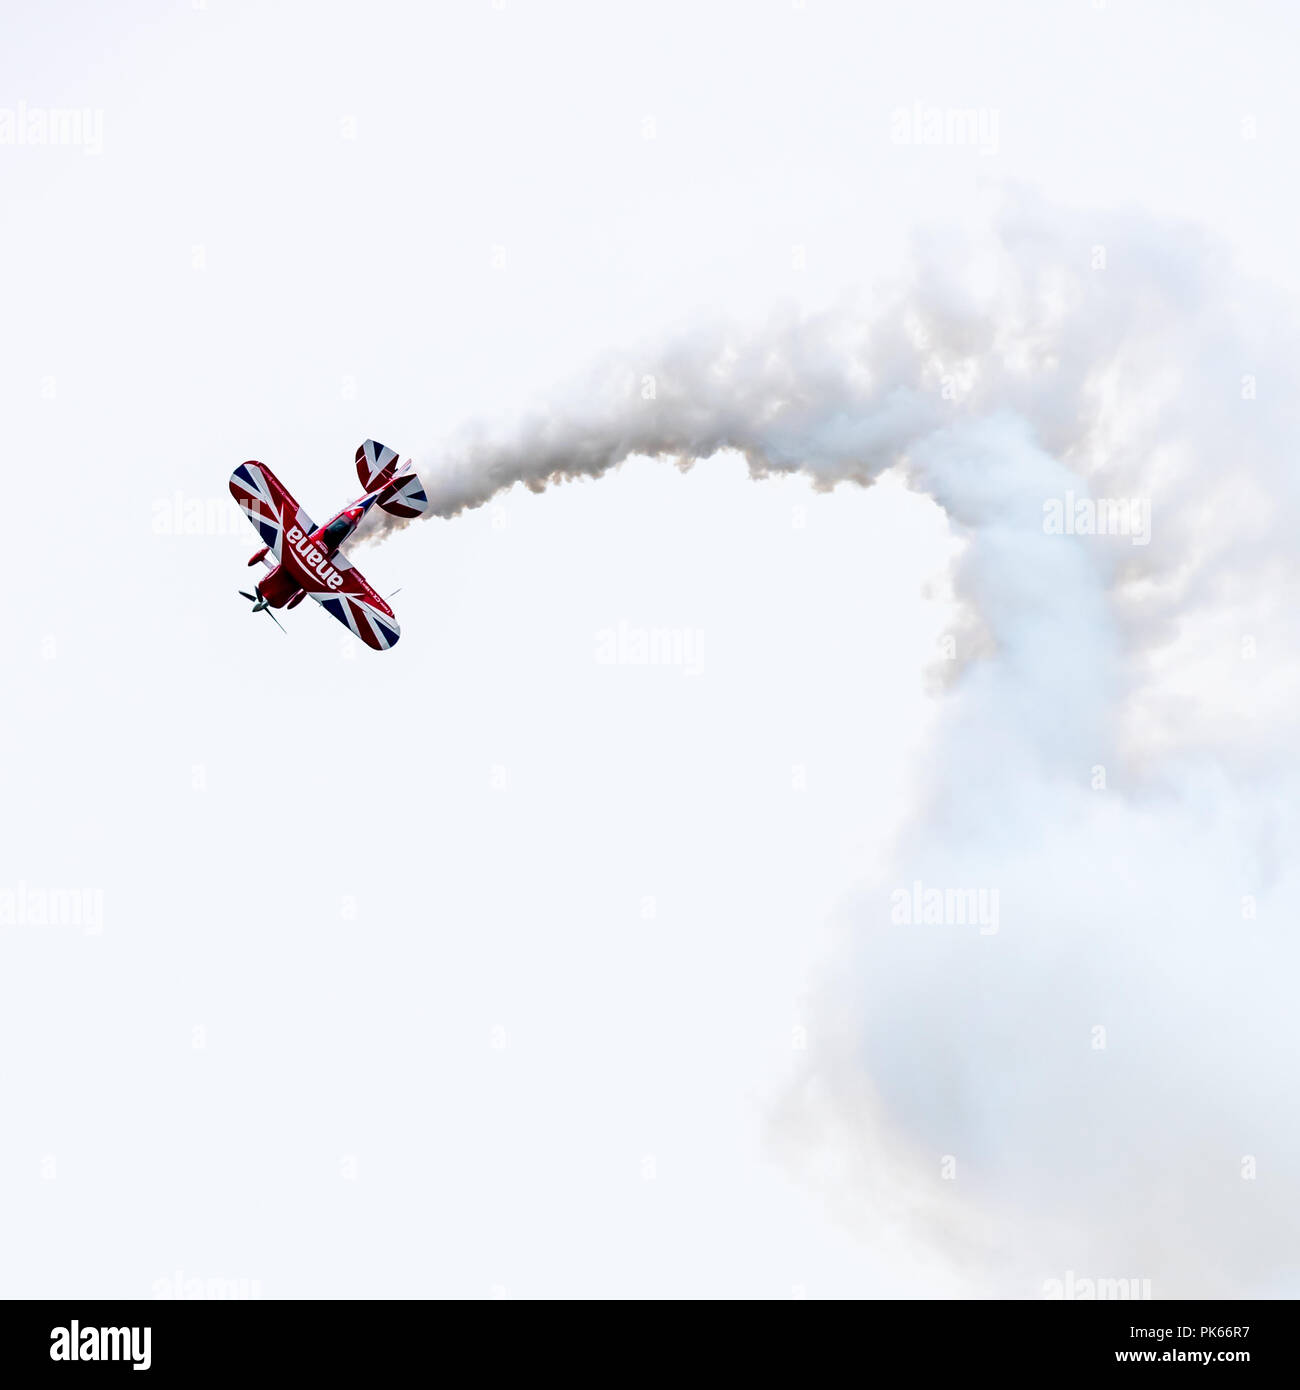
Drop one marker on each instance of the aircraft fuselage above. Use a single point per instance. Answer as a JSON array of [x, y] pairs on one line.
[[306, 556]]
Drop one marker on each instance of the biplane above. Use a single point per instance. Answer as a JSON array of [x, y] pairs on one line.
[[303, 559]]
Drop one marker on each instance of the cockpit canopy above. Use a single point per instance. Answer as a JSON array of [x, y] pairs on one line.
[[336, 532]]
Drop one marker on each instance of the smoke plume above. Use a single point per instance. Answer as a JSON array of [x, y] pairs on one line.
[[1091, 1068]]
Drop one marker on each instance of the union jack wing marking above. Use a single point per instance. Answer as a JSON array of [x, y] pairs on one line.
[[359, 608], [267, 503]]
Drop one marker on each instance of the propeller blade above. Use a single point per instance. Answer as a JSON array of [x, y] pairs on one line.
[[276, 621], [252, 598]]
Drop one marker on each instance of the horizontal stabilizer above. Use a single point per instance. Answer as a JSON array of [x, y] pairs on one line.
[[376, 465], [405, 495]]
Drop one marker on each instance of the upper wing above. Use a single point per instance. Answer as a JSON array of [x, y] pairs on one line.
[[267, 503], [356, 605]]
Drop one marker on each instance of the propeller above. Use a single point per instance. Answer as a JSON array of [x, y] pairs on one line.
[[255, 598]]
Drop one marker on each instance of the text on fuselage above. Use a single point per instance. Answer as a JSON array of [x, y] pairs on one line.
[[314, 559]]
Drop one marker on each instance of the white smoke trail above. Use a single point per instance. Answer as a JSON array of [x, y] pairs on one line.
[[1105, 1083]]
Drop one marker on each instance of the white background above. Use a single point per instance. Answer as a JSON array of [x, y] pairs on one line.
[[495, 951]]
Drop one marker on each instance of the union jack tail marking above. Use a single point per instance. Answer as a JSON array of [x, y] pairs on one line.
[[405, 495], [376, 464]]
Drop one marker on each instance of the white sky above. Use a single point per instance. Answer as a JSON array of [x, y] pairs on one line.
[[291, 242]]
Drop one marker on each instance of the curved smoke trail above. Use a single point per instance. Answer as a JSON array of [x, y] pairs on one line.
[[1082, 1061]]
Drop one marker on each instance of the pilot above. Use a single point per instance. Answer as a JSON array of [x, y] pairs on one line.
[[336, 533]]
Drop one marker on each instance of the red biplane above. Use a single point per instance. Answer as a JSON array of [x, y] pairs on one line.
[[306, 560]]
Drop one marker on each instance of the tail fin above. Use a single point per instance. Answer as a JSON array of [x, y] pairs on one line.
[[405, 495], [376, 464]]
